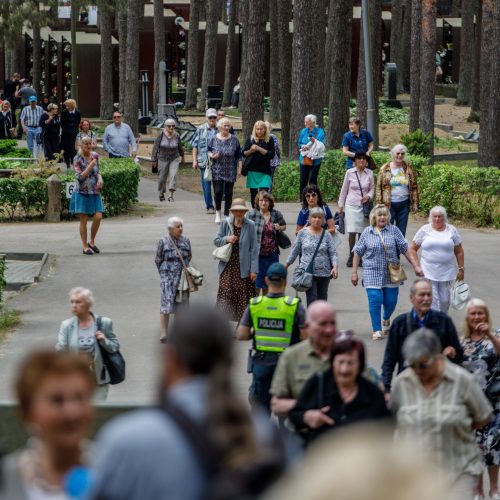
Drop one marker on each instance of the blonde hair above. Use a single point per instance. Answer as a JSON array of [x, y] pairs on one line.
[[377, 210], [466, 331], [71, 102], [260, 123], [223, 121]]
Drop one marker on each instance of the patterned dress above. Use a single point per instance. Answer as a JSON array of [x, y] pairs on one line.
[[234, 291], [170, 268], [224, 168], [480, 358]]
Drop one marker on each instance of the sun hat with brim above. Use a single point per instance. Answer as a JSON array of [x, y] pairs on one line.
[[238, 204]]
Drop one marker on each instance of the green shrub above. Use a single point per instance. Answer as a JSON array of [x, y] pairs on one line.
[[2, 278], [24, 196], [417, 143], [8, 148]]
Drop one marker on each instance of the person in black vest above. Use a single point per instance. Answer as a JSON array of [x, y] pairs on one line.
[[51, 130], [70, 121], [7, 121]]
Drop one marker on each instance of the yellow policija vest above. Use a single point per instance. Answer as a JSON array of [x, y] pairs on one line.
[[273, 321]]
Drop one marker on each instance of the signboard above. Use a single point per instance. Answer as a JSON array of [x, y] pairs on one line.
[[64, 9], [70, 188]]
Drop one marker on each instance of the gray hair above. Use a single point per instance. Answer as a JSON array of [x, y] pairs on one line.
[[84, 293], [311, 118], [174, 221], [423, 343], [413, 288], [169, 121], [51, 106], [397, 148], [6, 103], [438, 209], [356, 120], [316, 211]]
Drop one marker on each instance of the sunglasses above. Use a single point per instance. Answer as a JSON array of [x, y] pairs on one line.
[[170, 126], [311, 195], [400, 154], [117, 116], [423, 365]]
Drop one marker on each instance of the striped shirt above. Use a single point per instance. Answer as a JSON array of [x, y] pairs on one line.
[[30, 117], [441, 422]]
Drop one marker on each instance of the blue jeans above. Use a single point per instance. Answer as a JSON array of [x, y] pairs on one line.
[[207, 190], [264, 262], [264, 364], [31, 134], [400, 210], [387, 297]]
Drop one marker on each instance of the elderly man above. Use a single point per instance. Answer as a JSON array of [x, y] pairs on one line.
[[200, 142], [299, 362], [118, 139], [30, 119], [274, 322], [420, 316]]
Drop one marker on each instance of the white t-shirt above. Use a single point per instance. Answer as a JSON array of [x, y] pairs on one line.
[[399, 185], [438, 259]]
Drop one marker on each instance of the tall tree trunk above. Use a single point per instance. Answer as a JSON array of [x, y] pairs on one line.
[[131, 103], [210, 52], [274, 55], [302, 70], [159, 32], [397, 38], [416, 52], [476, 76], [122, 52], [489, 149], [466, 54], [229, 81], [405, 52], [253, 108], [192, 62], [284, 9], [318, 96], [37, 60], [340, 26], [106, 79], [428, 70], [243, 15]]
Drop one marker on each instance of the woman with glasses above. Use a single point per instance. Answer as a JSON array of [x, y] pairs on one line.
[[311, 198], [167, 150], [397, 187], [439, 404]]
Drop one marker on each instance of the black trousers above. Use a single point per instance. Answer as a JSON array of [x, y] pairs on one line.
[[308, 175], [223, 188], [68, 140], [51, 146], [319, 290]]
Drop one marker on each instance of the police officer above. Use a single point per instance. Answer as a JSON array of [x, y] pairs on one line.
[[274, 322]]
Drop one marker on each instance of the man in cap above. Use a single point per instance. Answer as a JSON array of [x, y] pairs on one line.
[[274, 322], [30, 123], [201, 139]]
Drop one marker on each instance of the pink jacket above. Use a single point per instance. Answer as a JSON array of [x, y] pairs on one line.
[[350, 193]]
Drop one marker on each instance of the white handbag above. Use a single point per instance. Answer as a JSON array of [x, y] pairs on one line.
[[224, 252], [207, 176], [459, 295]]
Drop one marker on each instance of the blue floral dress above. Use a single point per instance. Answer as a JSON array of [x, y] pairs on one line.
[[170, 268], [480, 358]]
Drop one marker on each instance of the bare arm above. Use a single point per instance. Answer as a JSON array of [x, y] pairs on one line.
[[243, 332], [459, 255]]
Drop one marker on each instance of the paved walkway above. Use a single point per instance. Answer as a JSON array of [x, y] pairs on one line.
[[126, 285]]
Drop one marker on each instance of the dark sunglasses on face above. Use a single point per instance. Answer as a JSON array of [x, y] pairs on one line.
[[423, 365], [117, 116], [311, 195], [402, 154]]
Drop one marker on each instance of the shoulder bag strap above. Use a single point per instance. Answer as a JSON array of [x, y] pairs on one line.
[[179, 254], [315, 252], [383, 244], [360, 188]]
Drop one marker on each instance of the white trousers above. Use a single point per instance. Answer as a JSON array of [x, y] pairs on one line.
[[441, 295]]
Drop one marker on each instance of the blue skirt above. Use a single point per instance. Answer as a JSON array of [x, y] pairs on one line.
[[264, 262], [87, 204]]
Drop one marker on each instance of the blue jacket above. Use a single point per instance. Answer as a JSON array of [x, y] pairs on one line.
[[318, 134]]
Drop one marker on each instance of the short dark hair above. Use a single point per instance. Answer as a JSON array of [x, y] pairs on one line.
[[360, 154], [311, 188], [350, 345], [267, 196]]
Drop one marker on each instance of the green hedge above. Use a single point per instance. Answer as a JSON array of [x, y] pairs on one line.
[[468, 193], [8, 148], [27, 197], [2, 278]]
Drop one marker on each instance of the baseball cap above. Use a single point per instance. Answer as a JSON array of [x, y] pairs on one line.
[[211, 113], [32, 98], [276, 272]]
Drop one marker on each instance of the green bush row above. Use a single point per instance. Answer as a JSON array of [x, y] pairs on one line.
[[27, 197], [8, 148], [468, 193], [2, 279]]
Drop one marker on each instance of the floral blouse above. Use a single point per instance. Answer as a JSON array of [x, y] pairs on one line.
[[87, 185]]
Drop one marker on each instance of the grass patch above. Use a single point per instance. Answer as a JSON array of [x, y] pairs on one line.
[[8, 321]]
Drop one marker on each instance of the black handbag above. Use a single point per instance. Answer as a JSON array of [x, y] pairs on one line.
[[113, 361], [246, 165], [339, 221], [282, 239], [367, 206]]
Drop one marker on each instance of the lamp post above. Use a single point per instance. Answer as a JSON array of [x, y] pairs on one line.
[[74, 72]]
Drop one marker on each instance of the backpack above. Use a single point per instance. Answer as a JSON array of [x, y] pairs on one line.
[[246, 483]]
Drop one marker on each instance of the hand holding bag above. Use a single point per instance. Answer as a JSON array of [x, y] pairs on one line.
[[224, 252], [460, 295], [207, 176], [113, 362], [396, 272], [302, 278], [368, 205], [192, 285]]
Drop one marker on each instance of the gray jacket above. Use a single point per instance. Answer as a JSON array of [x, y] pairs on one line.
[[11, 484], [67, 340], [249, 248]]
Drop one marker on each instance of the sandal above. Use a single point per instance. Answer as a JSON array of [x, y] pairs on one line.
[[162, 197], [93, 248], [88, 251], [171, 197], [163, 339]]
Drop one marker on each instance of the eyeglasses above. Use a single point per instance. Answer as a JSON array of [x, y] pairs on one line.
[[400, 153], [117, 116], [170, 126], [311, 195], [423, 365]]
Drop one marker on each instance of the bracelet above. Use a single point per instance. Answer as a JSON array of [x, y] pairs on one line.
[[461, 269]]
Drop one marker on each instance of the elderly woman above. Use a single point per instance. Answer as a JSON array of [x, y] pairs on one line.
[[237, 276], [86, 131], [356, 140], [315, 240], [268, 222], [442, 253], [357, 190], [311, 198], [51, 131], [86, 200], [380, 244], [8, 121], [397, 187], [88, 333], [308, 135], [339, 396], [225, 151], [481, 347], [171, 251], [276, 161], [167, 149], [258, 153], [70, 121], [439, 404], [54, 393]]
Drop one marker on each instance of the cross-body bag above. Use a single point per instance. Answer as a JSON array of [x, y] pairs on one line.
[[396, 272], [224, 252], [193, 277], [282, 239], [302, 278], [207, 175], [113, 362], [306, 161], [368, 205]]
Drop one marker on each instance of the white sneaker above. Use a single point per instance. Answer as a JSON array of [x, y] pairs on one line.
[[217, 216], [377, 335]]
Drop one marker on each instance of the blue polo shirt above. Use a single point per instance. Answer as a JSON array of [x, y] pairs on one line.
[[355, 143]]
